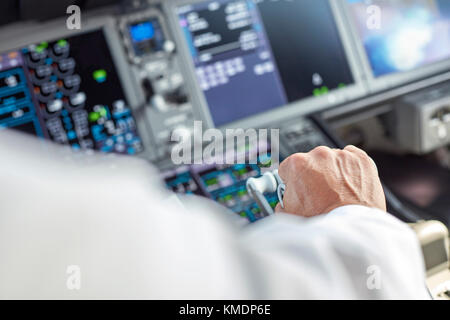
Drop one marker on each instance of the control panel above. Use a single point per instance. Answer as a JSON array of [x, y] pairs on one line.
[[422, 120], [223, 183], [302, 135], [55, 90], [75, 89], [156, 65]]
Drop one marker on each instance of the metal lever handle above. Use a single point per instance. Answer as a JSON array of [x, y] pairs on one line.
[[268, 183]]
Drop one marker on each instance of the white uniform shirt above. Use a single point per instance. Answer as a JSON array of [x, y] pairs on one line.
[[104, 227]]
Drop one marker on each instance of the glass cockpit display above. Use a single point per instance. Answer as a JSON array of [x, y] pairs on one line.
[[68, 91], [146, 37], [402, 35], [254, 56], [223, 183]]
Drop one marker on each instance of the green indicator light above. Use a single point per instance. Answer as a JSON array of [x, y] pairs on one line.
[[103, 112], [242, 192], [41, 47], [211, 182], [62, 43], [273, 204], [265, 161], [94, 116], [321, 91], [341, 85], [242, 171], [99, 75]]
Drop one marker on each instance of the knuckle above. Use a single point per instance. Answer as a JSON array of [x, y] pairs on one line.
[[299, 158], [293, 162], [321, 151], [356, 150]]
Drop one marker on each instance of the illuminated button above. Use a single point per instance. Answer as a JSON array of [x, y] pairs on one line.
[[66, 64], [259, 70], [131, 124], [48, 88], [119, 105], [169, 46], [100, 75], [11, 81], [71, 135], [72, 81], [43, 71], [55, 105], [61, 48], [120, 148], [120, 139], [38, 56], [87, 144], [18, 113], [109, 142], [78, 99]]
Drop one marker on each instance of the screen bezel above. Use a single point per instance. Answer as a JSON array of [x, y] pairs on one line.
[[298, 108], [392, 80], [19, 36]]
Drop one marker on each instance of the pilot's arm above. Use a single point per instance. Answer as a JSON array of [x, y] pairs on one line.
[[94, 227], [346, 246]]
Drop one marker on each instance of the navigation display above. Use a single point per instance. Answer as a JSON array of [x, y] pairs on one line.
[[254, 56]]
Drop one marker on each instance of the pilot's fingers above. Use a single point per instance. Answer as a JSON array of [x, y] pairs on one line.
[[278, 208], [356, 150], [361, 153], [291, 167]]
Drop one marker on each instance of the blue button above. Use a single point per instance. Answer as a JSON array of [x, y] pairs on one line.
[[71, 135]]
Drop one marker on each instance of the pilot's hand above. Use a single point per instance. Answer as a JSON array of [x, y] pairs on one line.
[[325, 179]]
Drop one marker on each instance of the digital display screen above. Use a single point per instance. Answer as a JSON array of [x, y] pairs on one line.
[[142, 32], [225, 184], [146, 37], [254, 56], [68, 91], [402, 35]]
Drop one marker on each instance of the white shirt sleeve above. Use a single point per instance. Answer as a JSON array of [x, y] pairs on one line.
[[101, 227], [353, 252]]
